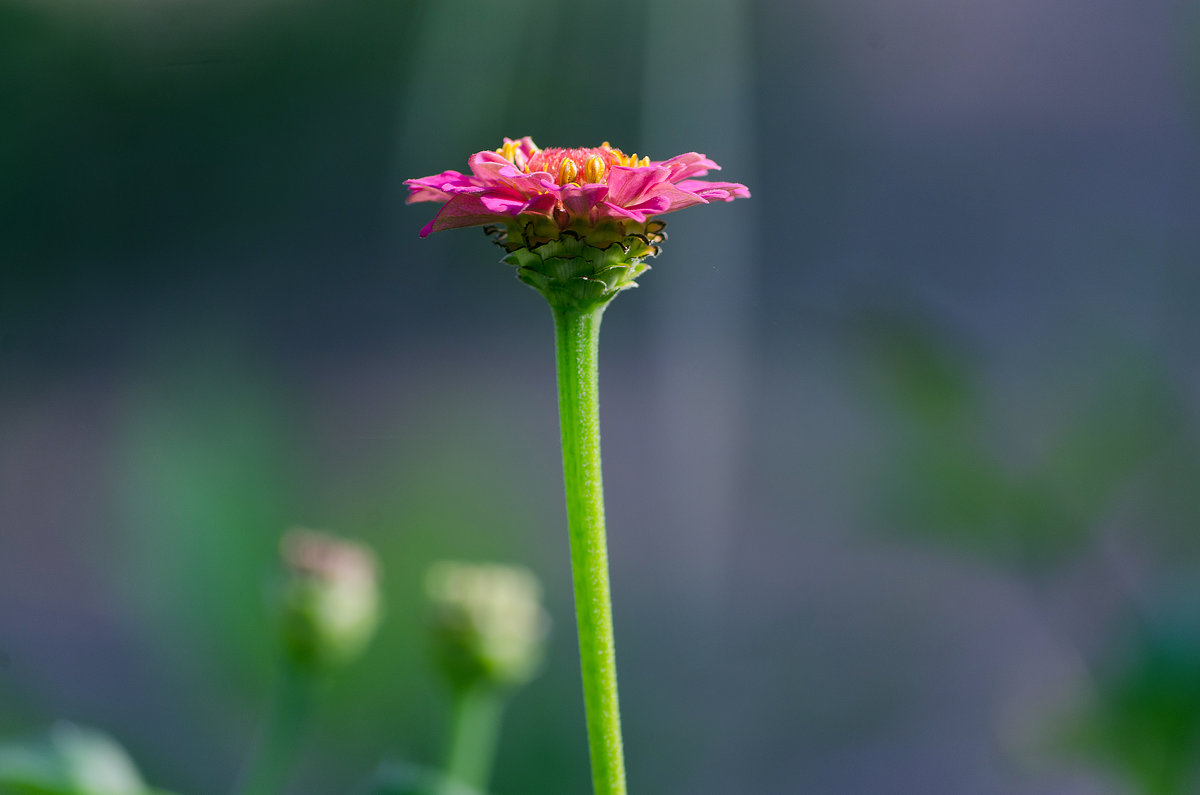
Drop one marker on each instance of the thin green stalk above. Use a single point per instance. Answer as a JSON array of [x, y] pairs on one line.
[[271, 765], [473, 736], [577, 335]]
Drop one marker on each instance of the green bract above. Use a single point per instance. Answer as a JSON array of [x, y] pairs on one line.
[[580, 269]]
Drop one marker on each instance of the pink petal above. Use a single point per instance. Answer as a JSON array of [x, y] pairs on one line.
[[461, 211], [491, 169], [639, 212], [723, 191], [677, 198], [579, 200], [501, 204], [484, 164], [627, 186], [542, 204], [652, 206], [610, 210], [425, 194], [689, 164], [525, 150], [437, 187]]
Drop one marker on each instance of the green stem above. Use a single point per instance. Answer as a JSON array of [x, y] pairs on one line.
[[577, 335], [473, 736], [269, 768]]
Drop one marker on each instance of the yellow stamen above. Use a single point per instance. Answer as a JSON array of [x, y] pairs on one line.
[[567, 171], [508, 151], [593, 170]]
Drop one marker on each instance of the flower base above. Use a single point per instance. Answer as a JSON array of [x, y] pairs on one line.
[[584, 271]]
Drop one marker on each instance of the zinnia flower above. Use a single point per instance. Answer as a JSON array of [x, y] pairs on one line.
[[573, 187], [578, 225], [594, 203]]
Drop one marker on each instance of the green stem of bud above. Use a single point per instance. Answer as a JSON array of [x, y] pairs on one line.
[[271, 765], [577, 336], [473, 736]]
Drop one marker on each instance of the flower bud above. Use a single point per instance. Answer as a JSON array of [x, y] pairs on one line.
[[488, 624], [593, 170], [567, 171], [329, 599]]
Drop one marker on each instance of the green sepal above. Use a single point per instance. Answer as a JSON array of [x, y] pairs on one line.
[[582, 269]]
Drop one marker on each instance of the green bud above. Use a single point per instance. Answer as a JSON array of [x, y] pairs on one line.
[[488, 624], [329, 599]]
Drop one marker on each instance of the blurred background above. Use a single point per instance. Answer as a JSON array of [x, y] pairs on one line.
[[902, 454]]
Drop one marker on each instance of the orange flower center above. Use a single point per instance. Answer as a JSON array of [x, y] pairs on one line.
[[567, 166]]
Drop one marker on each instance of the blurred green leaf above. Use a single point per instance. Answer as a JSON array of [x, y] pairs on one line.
[[951, 477], [207, 483], [402, 778], [920, 372], [72, 760], [1131, 416], [1145, 718]]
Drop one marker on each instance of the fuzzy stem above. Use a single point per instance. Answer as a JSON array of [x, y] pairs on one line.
[[577, 334], [269, 768], [473, 736]]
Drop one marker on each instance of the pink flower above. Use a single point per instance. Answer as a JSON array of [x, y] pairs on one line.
[[575, 189]]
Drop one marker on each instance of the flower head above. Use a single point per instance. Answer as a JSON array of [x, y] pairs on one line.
[[580, 201], [574, 188]]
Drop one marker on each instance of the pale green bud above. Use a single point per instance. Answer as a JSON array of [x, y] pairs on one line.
[[329, 599], [489, 626]]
